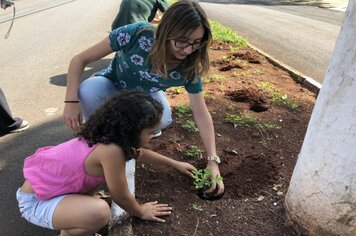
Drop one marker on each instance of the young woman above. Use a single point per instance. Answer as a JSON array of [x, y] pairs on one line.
[[175, 54], [57, 177]]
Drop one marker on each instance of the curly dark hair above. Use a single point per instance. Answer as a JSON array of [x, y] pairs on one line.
[[121, 120]]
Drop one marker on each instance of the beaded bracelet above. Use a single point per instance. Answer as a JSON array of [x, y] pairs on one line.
[[75, 101]]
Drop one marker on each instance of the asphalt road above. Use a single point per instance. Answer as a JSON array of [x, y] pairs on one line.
[[302, 37], [33, 65]]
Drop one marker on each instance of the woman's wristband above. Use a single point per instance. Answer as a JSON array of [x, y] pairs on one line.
[[71, 101]]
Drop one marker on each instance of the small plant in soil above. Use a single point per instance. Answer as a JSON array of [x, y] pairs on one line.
[[183, 111], [214, 78], [177, 90], [278, 97], [283, 99], [191, 126], [203, 181], [249, 120], [239, 74], [193, 151], [197, 207]]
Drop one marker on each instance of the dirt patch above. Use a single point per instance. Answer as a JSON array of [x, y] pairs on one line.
[[258, 149]]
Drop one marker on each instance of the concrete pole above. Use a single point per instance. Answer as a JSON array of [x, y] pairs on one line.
[[321, 198]]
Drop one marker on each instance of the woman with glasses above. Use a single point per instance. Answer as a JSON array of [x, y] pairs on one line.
[[152, 60]]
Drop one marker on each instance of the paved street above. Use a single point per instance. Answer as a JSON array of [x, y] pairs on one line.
[[302, 37]]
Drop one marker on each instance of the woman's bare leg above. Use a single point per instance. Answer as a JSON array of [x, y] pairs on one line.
[[80, 215]]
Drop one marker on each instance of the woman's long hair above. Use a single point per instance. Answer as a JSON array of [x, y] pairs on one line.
[[121, 120], [182, 17]]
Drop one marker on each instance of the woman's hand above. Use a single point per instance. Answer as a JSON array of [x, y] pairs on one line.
[[185, 168], [152, 211], [216, 188], [72, 116]]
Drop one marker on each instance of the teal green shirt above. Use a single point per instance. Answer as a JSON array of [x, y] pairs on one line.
[[132, 11], [130, 68]]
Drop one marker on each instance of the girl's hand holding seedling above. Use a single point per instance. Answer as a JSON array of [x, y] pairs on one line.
[[152, 211], [217, 187]]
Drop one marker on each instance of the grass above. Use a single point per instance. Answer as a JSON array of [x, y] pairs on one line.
[[225, 34], [249, 120], [214, 78], [278, 97]]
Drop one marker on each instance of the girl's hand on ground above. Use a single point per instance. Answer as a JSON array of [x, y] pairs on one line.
[[72, 116], [216, 188], [185, 168], [152, 211]]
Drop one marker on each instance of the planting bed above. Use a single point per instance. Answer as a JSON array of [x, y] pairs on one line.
[[260, 116]]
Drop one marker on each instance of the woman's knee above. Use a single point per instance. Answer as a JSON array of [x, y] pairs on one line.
[[93, 92], [160, 96], [100, 214]]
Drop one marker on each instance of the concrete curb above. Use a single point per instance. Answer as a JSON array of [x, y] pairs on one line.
[[298, 77]]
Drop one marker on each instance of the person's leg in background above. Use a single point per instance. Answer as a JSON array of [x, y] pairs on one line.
[[8, 124], [167, 111], [93, 93]]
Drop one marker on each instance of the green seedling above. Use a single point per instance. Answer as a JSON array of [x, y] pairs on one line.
[[283, 99], [278, 97], [193, 151], [267, 87], [183, 111], [191, 126], [249, 120], [202, 178], [177, 90], [214, 78], [197, 207], [239, 74]]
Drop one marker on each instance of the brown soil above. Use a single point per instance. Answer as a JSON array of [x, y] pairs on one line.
[[257, 161]]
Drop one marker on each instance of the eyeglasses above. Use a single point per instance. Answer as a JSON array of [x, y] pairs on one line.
[[184, 44]]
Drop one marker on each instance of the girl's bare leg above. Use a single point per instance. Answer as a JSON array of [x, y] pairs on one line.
[[80, 215]]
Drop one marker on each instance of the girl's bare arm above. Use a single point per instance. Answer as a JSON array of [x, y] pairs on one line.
[[113, 163]]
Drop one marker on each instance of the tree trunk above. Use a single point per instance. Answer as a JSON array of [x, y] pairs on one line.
[[321, 198]]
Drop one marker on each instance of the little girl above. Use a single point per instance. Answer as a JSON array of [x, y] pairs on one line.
[[58, 177]]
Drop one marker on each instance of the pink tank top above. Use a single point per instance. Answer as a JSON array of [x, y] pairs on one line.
[[58, 170]]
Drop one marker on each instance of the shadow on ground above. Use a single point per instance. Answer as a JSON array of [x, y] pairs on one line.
[[14, 148], [61, 80], [317, 3]]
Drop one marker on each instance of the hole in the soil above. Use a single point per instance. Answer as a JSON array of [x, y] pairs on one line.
[[247, 56], [252, 175], [229, 67], [209, 197], [258, 101]]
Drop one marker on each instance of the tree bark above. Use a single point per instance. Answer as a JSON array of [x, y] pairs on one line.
[[321, 198]]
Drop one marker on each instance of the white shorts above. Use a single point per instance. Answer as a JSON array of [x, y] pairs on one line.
[[36, 211]]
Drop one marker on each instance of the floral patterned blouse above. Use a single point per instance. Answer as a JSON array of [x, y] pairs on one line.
[[130, 67]]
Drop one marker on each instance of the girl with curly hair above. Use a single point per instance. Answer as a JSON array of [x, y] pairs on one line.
[[57, 178], [152, 60]]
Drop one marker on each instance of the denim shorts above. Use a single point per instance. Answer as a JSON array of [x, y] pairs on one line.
[[35, 211]]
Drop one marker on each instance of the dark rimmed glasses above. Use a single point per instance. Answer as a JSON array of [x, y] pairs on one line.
[[181, 44]]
